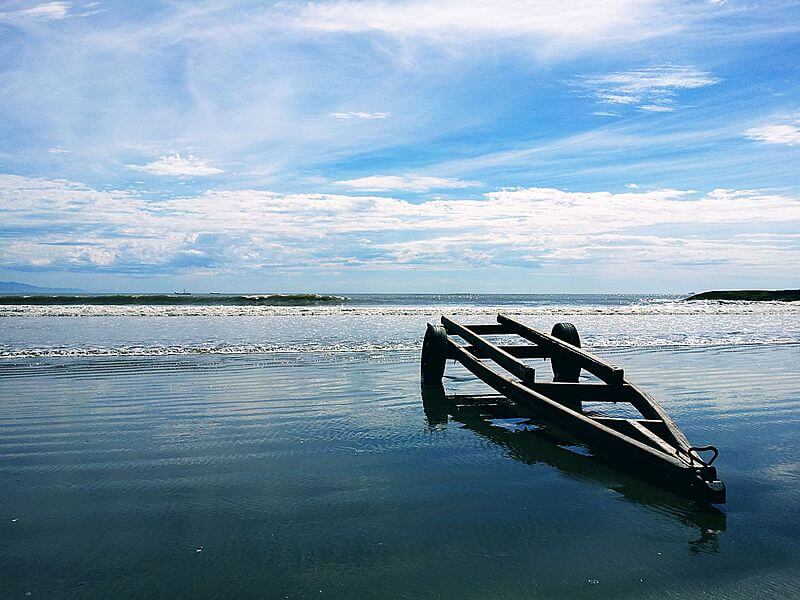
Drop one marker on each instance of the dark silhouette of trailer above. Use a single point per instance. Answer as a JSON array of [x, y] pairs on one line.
[[651, 446]]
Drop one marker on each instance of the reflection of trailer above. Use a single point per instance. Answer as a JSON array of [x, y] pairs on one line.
[[492, 417], [651, 447]]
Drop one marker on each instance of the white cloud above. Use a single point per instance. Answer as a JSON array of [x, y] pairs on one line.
[[567, 26], [656, 108], [58, 150], [361, 115], [406, 183], [64, 225], [576, 21], [50, 10], [653, 88], [177, 166], [775, 134]]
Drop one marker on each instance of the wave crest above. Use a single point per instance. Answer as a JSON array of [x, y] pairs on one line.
[[174, 300]]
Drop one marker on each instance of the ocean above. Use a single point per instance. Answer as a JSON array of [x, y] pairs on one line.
[[279, 447]]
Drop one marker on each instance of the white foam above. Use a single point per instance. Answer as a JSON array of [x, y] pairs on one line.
[[653, 307], [99, 330]]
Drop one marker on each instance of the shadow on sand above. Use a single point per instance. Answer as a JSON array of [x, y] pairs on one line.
[[533, 442]]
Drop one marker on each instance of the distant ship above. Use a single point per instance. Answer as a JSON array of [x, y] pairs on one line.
[[183, 293]]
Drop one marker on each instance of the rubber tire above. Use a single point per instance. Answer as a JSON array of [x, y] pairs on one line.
[[564, 367], [434, 355]]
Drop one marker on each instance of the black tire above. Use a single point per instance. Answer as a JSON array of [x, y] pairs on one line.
[[564, 367], [434, 355]]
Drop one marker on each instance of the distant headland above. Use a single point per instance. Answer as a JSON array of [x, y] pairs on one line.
[[15, 287], [750, 295]]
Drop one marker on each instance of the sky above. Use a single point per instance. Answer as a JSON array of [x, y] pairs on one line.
[[422, 146]]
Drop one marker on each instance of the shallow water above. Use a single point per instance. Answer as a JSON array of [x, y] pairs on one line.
[[380, 323], [318, 474]]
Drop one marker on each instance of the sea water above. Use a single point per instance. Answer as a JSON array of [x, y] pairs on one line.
[[206, 450], [155, 325]]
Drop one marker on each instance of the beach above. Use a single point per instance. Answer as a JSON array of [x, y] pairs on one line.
[[419, 300], [286, 451]]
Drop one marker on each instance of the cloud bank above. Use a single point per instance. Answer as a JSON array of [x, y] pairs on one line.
[[55, 224]]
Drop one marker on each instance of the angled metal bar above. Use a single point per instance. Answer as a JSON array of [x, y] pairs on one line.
[[514, 366], [609, 373], [654, 439], [610, 421]]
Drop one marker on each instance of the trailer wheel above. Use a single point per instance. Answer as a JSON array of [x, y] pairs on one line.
[[434, 355], [565, 369]]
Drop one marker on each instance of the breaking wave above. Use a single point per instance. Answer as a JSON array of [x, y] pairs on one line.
[[159, 300], [276, 305]]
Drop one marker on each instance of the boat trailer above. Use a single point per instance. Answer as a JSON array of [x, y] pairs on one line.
[[650, 447]]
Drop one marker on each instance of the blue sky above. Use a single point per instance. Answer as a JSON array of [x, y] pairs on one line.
[[440, 146]]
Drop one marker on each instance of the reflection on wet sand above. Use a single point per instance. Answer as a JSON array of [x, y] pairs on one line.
[[533, 442]]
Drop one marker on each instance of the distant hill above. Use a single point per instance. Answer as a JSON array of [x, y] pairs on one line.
[[15, 287], [751, 295]]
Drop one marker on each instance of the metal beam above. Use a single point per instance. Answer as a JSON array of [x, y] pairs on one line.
[[586, 392], [596, 366], [519, 369]]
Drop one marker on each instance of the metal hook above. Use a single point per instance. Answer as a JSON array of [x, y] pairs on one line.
[[697, 449]]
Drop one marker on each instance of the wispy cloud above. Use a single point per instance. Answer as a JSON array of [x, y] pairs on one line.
[[788, 134], [653, 89], [177, 166], [58, 150], [656, 108], [552, 23], [50, 10], [361, 115], [407, 183]]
